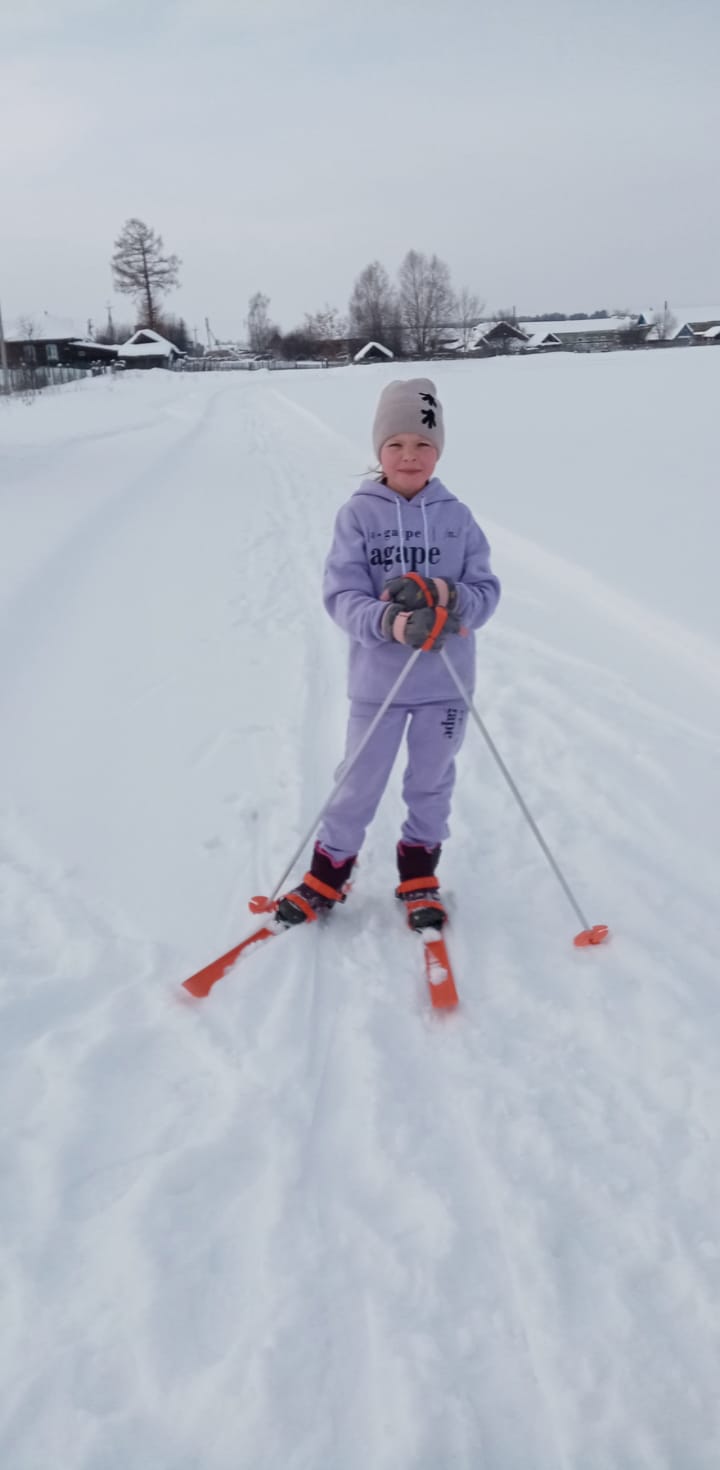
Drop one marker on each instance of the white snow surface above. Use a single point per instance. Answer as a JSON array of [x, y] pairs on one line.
[[305, 1224]]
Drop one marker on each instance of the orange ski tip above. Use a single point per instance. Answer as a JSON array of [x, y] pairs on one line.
[[202, 983], [596, 935], [444, 997]]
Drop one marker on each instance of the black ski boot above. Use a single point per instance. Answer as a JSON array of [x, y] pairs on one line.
[[322, 887], [418, 886]]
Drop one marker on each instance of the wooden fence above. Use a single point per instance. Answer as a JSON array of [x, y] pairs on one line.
[[30, 379]]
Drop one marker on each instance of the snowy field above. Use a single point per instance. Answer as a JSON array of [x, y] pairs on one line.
[[305, 1224]]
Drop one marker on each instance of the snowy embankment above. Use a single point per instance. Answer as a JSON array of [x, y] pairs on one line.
[[301, 1223]]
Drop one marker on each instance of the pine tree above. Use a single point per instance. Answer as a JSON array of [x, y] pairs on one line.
[[142, 270]]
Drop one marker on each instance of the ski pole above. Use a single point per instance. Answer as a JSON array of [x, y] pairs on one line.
[[261, 905], [590, 934]]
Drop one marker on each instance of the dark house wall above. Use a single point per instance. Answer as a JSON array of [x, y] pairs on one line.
[[82, 354], [56, 352], [34, 353], [146, 361]]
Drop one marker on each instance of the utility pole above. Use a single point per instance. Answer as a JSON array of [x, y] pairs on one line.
[[3, 359]]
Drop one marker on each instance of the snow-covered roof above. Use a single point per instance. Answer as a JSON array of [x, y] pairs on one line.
[[145, 349], [43, 326], [227, 349], [699, 326], [696, 327], [485, 329], [474, 337], [682, 317], [712, 332], [450, 341], [147, 343], [537, 332], [90, 342], [570, 328], [543, 338], [369, 346]]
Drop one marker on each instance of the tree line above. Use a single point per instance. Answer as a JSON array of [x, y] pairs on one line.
[[405, 315], [402, 315]]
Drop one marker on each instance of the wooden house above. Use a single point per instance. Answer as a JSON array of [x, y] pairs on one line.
[[374, 352], [492, 339], [147, 349]]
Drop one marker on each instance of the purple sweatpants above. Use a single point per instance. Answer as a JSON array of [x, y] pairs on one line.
[[435, 734]]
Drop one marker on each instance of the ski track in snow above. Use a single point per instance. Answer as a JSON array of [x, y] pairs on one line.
[[306, 1223]]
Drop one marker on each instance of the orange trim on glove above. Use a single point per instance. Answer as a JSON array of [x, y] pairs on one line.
[[422, 584], [441, 617]]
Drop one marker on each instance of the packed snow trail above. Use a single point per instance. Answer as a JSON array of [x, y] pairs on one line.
[[304, 1222]]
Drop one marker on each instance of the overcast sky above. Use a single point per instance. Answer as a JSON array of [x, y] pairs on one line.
[[559, 154]]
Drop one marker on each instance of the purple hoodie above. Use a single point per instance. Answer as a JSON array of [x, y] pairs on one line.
[[378, 535]]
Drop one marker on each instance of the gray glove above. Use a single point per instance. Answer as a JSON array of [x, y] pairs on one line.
[[409, 594], [413, 629]]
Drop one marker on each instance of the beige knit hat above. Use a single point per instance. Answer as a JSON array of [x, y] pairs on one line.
[[409, 406]]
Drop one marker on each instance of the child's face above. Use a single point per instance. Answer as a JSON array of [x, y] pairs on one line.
[[408, 462]]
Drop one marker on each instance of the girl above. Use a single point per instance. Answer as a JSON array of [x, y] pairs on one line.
[[403, 545]]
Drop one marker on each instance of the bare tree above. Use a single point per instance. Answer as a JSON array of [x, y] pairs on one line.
[[426, 299], [326, 325], [327, 330], [261, 330], [373, 310], [141, 268], [468, 311]]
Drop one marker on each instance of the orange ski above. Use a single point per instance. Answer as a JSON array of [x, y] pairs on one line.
[[438, 969], [440, 979], [425, 915], [202, 983]]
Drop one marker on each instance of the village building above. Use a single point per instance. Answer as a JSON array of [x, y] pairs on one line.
[[374, 352], [543, 341], [490, 338], [590, 334], [46, 341], [697, 331], [147, 349], [498, 338], [682, 326]]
